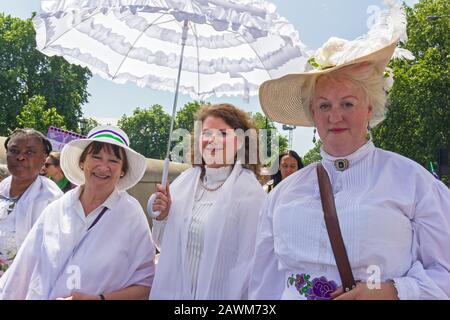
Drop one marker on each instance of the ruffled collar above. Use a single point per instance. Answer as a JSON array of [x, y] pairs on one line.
[[353, 158], [217, 175]]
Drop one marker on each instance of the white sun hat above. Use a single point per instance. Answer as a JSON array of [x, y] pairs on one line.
[[70, 156], [285, 99]]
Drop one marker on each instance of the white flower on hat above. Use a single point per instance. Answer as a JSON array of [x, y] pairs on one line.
[[388, 79], [325, 56]]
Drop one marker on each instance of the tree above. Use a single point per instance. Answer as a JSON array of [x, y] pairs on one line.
[[418, 116], [33, 115], [262, 122], [25, 72], [87, 124], [186, 116], [313, 155], [148, 130]]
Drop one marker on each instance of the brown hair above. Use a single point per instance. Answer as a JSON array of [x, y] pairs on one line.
[[55, 156], [236, 119], [95, 147]]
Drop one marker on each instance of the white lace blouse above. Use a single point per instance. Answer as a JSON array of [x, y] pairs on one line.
[[203, 202]]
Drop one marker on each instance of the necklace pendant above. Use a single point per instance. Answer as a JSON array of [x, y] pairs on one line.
[[341, 164]]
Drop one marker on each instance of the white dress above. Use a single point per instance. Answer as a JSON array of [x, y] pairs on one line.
[[62, 255], [395, 222], [208, 240], [18, 215]]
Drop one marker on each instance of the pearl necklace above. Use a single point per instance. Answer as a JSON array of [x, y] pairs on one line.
[[211, 189], [205, 188]]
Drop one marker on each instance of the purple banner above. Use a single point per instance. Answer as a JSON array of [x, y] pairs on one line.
[[59, 137]]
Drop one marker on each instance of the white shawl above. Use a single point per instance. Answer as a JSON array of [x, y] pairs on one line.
[[116, 253], [31, 204], [229, 239]]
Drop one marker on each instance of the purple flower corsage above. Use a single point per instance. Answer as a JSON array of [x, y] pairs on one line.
[[317, 289]]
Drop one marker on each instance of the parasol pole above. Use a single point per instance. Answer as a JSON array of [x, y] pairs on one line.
[[165, 172]]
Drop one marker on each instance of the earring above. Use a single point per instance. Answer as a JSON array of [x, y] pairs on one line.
[[369, 130], [314, 135], [81, 167]]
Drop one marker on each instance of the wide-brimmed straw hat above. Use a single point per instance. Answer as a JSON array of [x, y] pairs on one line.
[[70, 156], [286, 100]]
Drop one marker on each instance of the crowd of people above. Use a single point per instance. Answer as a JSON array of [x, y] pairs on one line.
[[361, 223]]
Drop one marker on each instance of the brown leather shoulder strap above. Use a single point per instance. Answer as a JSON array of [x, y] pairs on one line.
[[333, 229]]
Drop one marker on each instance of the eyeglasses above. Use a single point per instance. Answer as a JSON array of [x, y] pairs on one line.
[[207, 134], [48, 164]]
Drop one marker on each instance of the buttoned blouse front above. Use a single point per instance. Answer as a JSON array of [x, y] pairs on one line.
[[376, 206]]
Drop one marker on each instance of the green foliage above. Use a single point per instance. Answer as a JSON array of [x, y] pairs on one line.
[[87, 124], [34, 115], [262, 122], [418, 116], [148, 130], [313, 155], [25, 72], [186, 116]]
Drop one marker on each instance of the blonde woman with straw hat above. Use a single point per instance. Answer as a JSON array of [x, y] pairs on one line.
[[94, 243], [363, 223]]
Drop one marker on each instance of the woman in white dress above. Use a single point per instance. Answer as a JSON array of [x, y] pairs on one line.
[[393, 214], [24, 194], [207, 226], [93, 243]]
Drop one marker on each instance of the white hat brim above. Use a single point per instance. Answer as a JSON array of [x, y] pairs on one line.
[[70, 163], [282, 99]]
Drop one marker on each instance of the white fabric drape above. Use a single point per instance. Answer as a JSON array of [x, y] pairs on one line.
[[116, 253], [31, 204], [231, 47], [229, 238]]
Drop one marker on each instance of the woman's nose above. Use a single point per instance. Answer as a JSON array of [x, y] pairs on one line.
[[212, 138], [103, 164], [335, 115]]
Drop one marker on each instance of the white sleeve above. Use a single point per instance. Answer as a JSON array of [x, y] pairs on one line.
[[15, 281], [266, 282], [158, 231], [142, 261], [429, 275]]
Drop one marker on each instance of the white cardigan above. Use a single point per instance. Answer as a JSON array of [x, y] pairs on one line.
[[394, 217]]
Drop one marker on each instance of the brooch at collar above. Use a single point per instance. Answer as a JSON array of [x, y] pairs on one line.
[[341, 164]]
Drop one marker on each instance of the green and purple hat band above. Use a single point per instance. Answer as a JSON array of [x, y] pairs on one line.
[[109, 134]]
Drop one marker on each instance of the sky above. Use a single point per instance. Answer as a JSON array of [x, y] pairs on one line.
[[315, 21]]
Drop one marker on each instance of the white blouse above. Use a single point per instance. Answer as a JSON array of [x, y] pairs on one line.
[[203, 201], [394, 218], [8, 246], [209, 237], [17, 215], [61, 255]]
